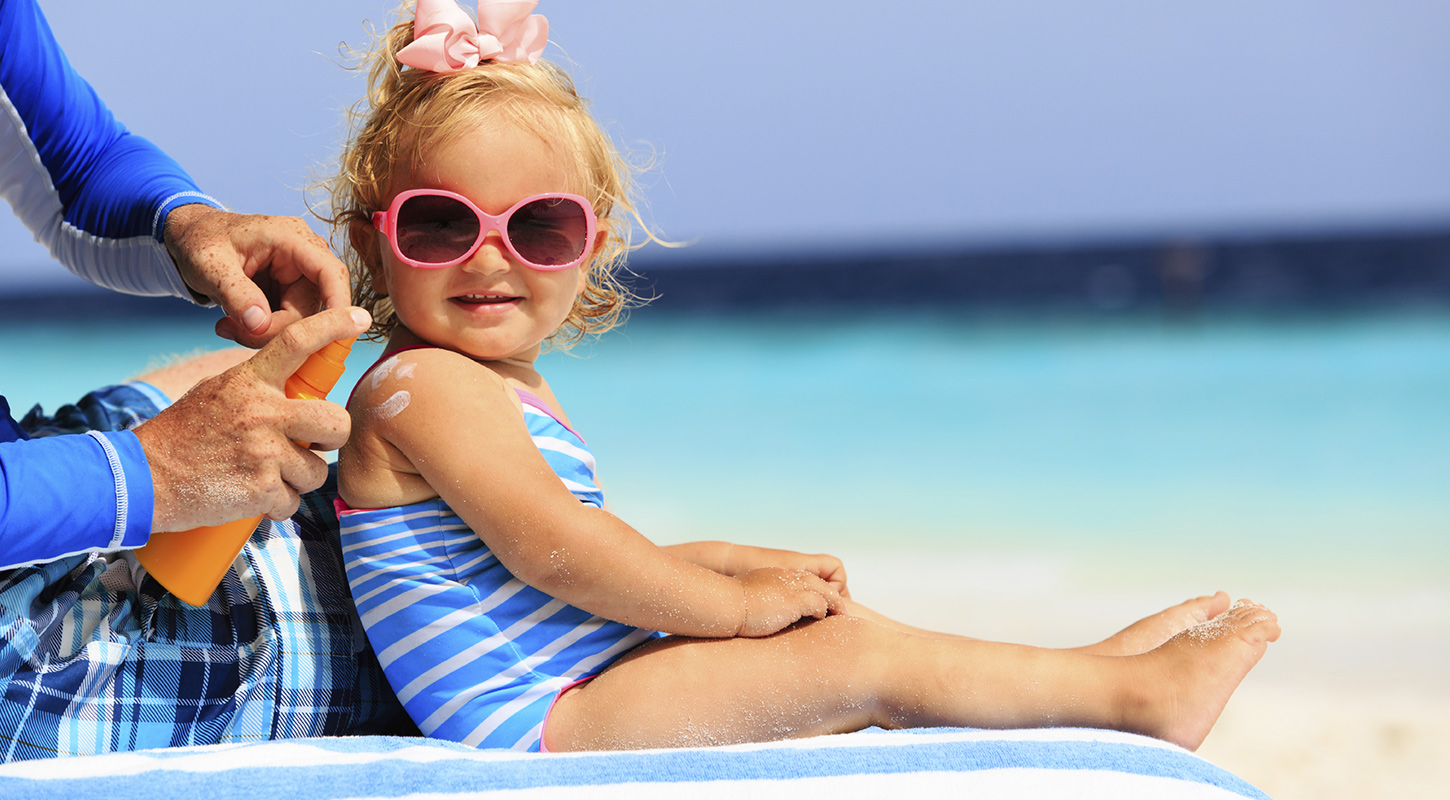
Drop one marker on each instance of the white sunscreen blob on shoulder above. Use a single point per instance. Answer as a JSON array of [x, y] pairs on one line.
[[381, 371], [391, 407]]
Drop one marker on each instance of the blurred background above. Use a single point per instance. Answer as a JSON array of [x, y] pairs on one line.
[[1044, 314], [1238, 134]]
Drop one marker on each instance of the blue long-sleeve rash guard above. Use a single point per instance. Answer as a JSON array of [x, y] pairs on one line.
[[63, 495], [97, 196]]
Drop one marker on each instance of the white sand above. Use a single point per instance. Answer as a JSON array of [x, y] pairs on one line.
[[1317, 740]]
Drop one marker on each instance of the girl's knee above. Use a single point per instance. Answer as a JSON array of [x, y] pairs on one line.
[[852, 640]]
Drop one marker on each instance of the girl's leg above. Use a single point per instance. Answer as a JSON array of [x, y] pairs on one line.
[[845, 673], [1152, 631], [1140, 637]]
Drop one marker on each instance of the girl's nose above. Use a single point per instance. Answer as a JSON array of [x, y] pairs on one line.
[[490, 257]]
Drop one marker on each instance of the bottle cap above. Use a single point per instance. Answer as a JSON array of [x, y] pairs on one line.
[[322, 369]]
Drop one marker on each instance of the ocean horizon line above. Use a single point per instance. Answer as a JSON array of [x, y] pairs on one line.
[[1340, 270]]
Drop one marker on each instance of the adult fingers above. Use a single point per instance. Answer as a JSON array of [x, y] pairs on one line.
[[245, 306], [302, 472], [271, 272], [310, 257], [317, 424], [212, 249], [298, 276], [228, 328], [298, 300], [281, 357]]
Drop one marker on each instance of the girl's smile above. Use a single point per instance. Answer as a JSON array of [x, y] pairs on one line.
[[488, 303]]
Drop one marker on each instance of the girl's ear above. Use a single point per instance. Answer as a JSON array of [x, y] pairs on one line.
[[364, 240]]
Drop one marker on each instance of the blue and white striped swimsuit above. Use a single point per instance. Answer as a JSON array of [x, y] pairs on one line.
[[475, 655]]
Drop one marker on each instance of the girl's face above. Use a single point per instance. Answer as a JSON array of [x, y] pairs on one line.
[[490, 307]]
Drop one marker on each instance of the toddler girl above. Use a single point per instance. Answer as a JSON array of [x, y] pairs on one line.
[[487, 214]]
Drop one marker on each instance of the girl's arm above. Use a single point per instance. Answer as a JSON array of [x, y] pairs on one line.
[[462, 431], [728, 558]]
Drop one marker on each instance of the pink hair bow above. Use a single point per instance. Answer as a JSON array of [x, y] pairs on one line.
[[445, 39]]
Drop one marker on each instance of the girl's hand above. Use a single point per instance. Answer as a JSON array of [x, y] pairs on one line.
[[776, 598], [740, 559]]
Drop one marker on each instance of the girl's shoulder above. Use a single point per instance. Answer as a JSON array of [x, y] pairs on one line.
[[422, 407], [430, 375], [426, 365]]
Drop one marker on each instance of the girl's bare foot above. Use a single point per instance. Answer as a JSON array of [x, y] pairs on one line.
[[1188, 680], [1150, 632]]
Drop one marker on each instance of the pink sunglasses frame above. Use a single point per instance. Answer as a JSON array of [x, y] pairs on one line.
[[387, 223]]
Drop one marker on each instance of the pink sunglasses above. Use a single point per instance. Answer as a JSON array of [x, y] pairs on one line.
[[434, 228]]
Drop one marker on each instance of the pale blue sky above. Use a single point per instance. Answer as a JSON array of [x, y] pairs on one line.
[[854, 124]]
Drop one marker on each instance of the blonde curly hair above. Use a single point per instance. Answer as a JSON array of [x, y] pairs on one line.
[[408, 112]]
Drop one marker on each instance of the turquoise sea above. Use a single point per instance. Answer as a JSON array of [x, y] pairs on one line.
[[1315, 438]]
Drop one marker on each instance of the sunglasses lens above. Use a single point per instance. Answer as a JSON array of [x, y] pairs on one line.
[[435, 230], [550, 232]]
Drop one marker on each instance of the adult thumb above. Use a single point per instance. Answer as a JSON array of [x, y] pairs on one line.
[[247, 315], [282, 356]]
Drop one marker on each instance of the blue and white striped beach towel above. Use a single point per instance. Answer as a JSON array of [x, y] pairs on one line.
[[1050, 763]]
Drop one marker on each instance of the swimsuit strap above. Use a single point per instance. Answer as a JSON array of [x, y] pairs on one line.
[[534, 401]]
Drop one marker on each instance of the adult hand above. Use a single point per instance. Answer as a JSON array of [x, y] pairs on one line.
[[226, 450], [265, 272]]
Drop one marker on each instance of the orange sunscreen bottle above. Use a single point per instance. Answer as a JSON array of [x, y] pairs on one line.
[[190, 564]]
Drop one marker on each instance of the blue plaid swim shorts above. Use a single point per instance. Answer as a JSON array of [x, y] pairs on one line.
[[91, 662]]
